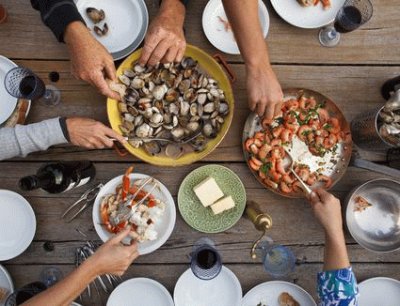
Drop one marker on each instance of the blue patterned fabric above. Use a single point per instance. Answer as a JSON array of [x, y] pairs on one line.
[[337, 288]]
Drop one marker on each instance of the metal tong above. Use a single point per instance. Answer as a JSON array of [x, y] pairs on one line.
[[87, 198]]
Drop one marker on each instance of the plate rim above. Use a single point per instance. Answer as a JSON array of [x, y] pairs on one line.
[[279, 282], [261, 5], [275, 3], [33, 219], [170, 227], [8, 277], [7, 60], [226, 270], [185, 181], [118, 55], [148, 281]]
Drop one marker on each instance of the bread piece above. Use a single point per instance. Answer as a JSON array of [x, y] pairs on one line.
[[208, 191], [285, 299], [223, 205]]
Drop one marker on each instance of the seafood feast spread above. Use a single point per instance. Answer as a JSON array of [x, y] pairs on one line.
[[326, 4], [132, 206], [170, 109], [303, 121]]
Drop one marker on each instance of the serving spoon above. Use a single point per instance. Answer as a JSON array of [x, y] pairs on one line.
[[307, 190]]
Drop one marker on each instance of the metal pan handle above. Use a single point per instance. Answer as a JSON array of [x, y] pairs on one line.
[[221, 60]]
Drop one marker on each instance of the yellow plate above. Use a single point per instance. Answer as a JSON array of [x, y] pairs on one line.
[[212, 68]]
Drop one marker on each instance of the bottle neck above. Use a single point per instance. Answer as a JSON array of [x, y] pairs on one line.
[[36, 181]]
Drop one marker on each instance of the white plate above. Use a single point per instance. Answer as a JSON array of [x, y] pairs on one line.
[[17, 224], [269, 292], [5, 282], [163, 228], [224, 290], [306, 17], [127, 21], [214, 28], [380, 291], [7, 102], [140, 292]]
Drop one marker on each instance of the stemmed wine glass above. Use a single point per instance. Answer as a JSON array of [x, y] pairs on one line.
[[205, 262], [352, 15], [22, 83]]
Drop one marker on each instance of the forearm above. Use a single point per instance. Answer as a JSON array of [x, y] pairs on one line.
[[68, 289], [245, 23], [173, 8], [335, 256], [24, 139], [57, 15]]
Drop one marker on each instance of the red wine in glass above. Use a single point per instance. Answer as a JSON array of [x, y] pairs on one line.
[[32, 87], [348, 19], [206, 258]]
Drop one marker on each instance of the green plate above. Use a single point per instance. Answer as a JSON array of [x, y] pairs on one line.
[[202, 218]]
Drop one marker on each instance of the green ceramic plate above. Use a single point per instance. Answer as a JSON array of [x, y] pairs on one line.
[[201, 218]]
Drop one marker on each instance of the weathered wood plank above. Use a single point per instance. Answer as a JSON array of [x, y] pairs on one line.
[[24, 36], [249, 275], [79, 99], [176, 251]]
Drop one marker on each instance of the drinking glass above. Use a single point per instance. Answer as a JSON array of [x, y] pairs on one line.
[[25, 293], [278, 260], [205, 261], [352, 15], [50, 276], [23, 83]]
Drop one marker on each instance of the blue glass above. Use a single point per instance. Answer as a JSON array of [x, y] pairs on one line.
[[278, 260], [205, 262]]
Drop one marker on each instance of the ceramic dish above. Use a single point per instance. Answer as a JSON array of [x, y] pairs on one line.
[[201, 218], [163, 228], [7, 102], [376, 228], [215, 22], [5, 282], [224, 290], [15, 237], [127, 21], [140, 292], [306, 17], [210, 66], [268, 293], [382, 291]]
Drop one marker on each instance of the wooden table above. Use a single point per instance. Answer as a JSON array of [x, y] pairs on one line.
[[350, 74]]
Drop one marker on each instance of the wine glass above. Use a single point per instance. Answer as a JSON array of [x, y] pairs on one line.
[[278, 260], [50, 276], [205, 261], [25, 293], [23, 83], [352, 15]]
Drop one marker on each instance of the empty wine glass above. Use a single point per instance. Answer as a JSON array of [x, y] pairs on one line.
[[205, 261], [50, 276], [278, 260], [352, 15], [23, 83]]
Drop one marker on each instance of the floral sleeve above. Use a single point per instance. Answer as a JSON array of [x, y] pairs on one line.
[[337, 288]]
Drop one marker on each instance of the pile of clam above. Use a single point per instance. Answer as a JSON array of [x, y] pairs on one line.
[[170, 106], [389, 123]]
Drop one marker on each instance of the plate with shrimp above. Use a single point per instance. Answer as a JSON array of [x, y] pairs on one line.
[[315, 133], [139, 202]]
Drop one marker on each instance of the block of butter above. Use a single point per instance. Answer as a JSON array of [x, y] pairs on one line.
[[222, 205], [208, 191]]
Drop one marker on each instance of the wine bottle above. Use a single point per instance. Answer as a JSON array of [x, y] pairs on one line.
[[389, 87], [60, 177]]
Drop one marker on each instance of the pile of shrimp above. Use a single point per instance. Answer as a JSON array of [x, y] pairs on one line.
[[312, 124]]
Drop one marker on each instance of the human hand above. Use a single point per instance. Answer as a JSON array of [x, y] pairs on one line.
[[264, 91], [165, 41], [327, 210], [91, 134], [90, 61], [113, 257]]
